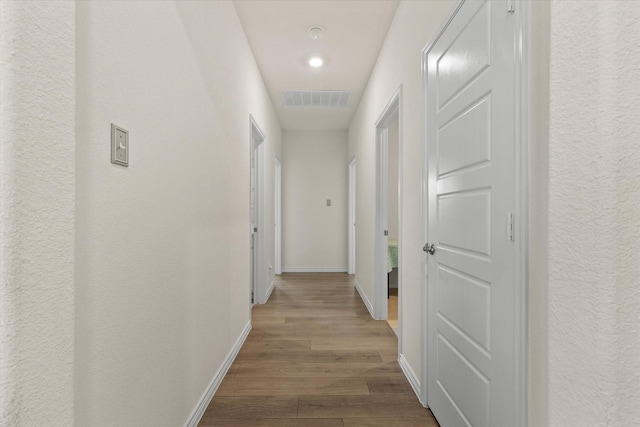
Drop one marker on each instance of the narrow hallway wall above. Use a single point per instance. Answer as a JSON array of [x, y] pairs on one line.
[[593, 257], [162, 246], [399, 63]]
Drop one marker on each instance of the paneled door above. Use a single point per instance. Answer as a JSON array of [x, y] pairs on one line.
[[470, 107]]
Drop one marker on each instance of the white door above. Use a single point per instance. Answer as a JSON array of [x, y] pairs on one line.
[[470, 104]]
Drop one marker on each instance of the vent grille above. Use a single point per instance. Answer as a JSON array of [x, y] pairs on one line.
[[316, 98]]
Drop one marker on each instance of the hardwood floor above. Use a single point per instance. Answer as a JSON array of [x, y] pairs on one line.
[[392, 308], [316, 358]]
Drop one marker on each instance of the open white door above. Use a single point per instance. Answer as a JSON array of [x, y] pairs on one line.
[[471, 128]]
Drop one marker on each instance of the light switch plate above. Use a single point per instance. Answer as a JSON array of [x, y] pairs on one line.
[[119, 146], [328, 202]]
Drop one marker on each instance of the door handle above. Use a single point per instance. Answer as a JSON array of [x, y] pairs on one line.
[[429, 248]]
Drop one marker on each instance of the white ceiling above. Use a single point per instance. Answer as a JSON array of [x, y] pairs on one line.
[[354, 31]]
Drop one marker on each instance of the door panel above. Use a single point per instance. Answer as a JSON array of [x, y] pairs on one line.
[[464, 384], [464, 221], [454, 151], [466, 56], [470, 100], [465, 302]]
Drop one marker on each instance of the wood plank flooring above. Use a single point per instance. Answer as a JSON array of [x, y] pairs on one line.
[[316, 358], [392, 308]]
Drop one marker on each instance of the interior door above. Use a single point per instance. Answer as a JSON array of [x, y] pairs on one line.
[[470, 103]]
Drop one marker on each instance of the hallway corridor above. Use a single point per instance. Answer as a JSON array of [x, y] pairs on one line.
[[315, 357]]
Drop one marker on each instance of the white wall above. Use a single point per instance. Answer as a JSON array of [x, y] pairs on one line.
[[399, 63], [37, 183], [587, 310], [162, 266], [314, 169]]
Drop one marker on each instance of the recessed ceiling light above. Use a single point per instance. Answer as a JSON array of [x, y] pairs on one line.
[[315, 32], [315, 62]]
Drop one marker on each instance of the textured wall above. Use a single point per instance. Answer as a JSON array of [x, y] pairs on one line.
[[399, 63], [315, 169], [594, 215], [37, 137], [163, 245]]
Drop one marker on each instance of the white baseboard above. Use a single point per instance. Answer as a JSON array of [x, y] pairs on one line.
[[198, 411], [364, 298], [269, 291], [314, 270], [411, 377]]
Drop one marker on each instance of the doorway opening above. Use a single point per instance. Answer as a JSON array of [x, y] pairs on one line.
[[352, 217], [257, 263], [388, 238], [278, 215]]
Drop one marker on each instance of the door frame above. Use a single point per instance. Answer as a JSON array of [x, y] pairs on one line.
[[352, 216], [278, 215], [257, 258], [392, 110], [521, 236]]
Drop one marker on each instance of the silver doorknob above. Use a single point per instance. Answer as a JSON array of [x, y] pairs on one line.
[[429, 248]]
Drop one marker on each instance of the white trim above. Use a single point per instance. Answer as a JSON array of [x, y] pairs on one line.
[[390, 111], [278, 215], [258, 258], [269, 291], [412, 378], [211, 389], [400, 329], [364, 298], [352, 215], [314, 270], [521, 299]]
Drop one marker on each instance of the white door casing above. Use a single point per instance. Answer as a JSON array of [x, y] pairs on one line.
[[278, 216], [380, 238], [256, 196], [352, 216], [391, 112], [474, 327]]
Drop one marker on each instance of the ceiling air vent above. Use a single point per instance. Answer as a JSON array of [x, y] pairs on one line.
[[316, 98]]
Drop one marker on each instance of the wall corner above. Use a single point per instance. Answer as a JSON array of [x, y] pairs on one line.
[[37, 199]]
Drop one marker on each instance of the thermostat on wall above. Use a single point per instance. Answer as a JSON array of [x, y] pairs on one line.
[[119, 146]]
